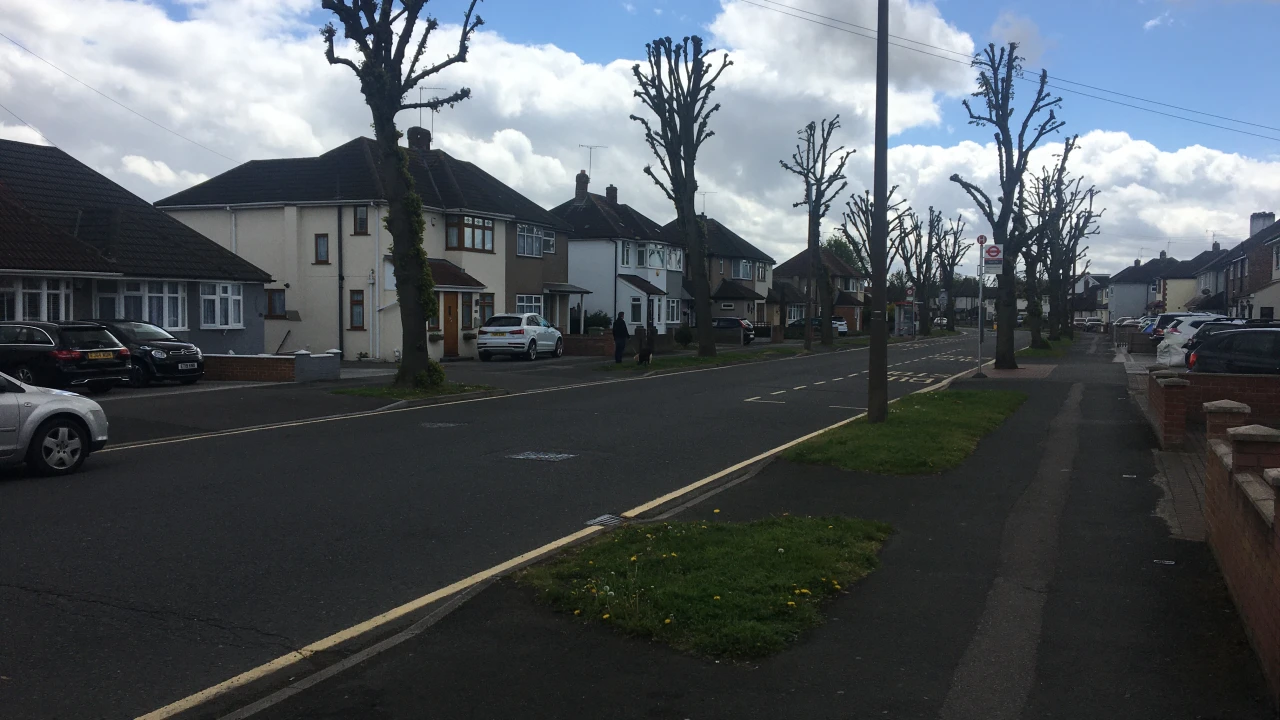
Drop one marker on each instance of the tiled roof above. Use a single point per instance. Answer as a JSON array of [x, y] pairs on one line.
[[798, 266], [730, 290], [784, 293], [26, 243], [446, 273], [641, 284], [1190, 268], [1145, 273], [844, 298], [350, 172], [721, 241], [138, 239], [596, 217]]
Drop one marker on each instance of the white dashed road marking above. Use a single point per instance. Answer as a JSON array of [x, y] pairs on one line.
[[800, 387], [778, 393]]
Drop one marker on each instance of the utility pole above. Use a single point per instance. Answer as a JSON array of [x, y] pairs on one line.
[[878, 358], [591, 149]]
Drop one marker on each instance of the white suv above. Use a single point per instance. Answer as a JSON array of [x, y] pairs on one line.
[[520, 334]]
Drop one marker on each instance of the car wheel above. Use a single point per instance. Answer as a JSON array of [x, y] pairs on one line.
[[24, 374], [559, 347], [485, 357], [139, 376], [100, 388], [533, 350], [58, 447]]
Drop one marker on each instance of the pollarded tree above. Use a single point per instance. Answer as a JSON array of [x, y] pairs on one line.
[[388, 67], [821, 168], [918, 248], [676, 87], [1065, 209], [855, 228], [951, 251], [1014, 140]]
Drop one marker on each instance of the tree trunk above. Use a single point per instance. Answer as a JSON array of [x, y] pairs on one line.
[[414, 288], [1035, 311], [809, 308], [1006, 317], [828, 308], [926, 314], [949, 310], [1056, 309], [695, 239]]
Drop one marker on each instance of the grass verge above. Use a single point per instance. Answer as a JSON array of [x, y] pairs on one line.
[[683, 362], [1058, 349], [925, 433], [391, 392], [728, 590]]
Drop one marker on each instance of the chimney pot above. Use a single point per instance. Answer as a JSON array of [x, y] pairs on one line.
[[611, 193], [1260, 221], [1137, 263], [584, 181], [419, 138], [1162, 255], [1217, 246]]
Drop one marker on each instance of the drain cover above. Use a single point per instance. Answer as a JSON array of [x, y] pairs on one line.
[[437, 425], [543, 456], [605, 520]]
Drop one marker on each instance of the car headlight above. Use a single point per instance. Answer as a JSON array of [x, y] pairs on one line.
[[199, 354], [159, 354]]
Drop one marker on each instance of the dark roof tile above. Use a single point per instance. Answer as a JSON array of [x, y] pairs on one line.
[[446, 273], [798, 266], [596, 217], [730, 290], [721, 241]]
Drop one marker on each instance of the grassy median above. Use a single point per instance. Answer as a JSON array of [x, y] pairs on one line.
[[737, 591], [687, 362], [925, 433], [391, 392], [1057, 349]]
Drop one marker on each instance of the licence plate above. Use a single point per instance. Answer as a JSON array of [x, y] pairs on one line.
[[186, 366], [501, 334], [102, 356]]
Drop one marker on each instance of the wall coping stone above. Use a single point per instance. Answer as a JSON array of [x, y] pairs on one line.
[[1166, 373], [1261, 494], [1254, 433], [1222, 450], [1226, 406], [1172, 381], [1272, 476]]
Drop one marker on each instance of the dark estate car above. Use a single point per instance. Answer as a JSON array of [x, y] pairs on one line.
[[733, 323], [1249, 351], [63, 354], [157, 355]]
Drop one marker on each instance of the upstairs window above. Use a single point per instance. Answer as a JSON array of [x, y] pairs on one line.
[[626, 254], [463, 232], [761, 272], [548, 241], [642, 255], [528, 240], [675, 259], [322, 249], [657, 256], [362, 220], [742, 270]]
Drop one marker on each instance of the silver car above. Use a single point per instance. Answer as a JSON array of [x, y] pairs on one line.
[[53, 431]]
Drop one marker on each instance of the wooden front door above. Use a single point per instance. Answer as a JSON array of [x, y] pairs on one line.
[[449, 302]]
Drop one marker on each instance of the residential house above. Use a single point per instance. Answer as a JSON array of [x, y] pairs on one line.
[[619, 256], [1263, 300], [1211, 284], [1138, 289], [848, 284], [317, 224], [1180, 284], [1090, 297], [739, 272], [75, 245]]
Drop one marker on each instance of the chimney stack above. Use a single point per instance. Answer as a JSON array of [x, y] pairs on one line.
[[583, 181], [419, 138], [1162, 255], [1260, 221], [611, 193], [1137, 262], [1217, 246]]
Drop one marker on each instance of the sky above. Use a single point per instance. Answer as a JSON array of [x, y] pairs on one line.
[[246, 79]]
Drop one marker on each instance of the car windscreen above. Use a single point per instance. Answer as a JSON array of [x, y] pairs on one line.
[[502, 321], [145, 332], [88, 338]]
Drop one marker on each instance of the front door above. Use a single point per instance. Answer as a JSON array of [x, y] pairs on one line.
[[450, 309]]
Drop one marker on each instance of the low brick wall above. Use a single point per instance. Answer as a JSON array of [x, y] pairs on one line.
[[1241, 530], [602, 345], [1259, 392], [1137, 342], [249, 368]]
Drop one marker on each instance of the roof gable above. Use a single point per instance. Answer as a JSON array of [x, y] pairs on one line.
[[798, 266], [595, 217], [721, 241]]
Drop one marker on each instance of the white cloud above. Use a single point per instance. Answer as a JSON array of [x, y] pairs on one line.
[[160, 174], [20, 133], [1011, 27], [629, 7], [1157, 21]]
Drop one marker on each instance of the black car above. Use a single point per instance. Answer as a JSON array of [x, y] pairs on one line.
[[1250, 351], [157, 355], [63, 354], [733, 323]]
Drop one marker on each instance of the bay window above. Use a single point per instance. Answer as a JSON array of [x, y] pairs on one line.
[[528, 240], [159, 302], [657, 256], [35, 299], [221, 306]]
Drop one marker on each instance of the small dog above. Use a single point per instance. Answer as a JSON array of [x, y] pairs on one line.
[[644, 356]]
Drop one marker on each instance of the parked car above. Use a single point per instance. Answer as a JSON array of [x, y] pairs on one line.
[[839, 324], [940, 322], [1093, 324], [1254, 350], [1122, 320], [734, 323], [1164, 320], [63, 355], [519, 334], [1208, 330], [53, 431], [157, 355]]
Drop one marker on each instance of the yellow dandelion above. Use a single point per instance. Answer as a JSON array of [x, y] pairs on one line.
[[633, 558], [664, 556], [673, 555], [667, 621], [790, 604], [577, 612], [837, 587], [591, 562], [716, 510], [716, 597], [605, 616], [805, 592], [795, 592]]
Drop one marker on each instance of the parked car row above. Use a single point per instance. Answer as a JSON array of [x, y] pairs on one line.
[[839, 324], [95, 355]]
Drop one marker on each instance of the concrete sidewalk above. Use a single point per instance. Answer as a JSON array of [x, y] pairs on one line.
[[1035, 581]]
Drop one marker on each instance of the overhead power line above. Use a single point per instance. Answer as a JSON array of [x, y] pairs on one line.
[[108, 97], [34, 129], [967, 60]]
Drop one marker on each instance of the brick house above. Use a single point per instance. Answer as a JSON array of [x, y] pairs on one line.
[[848, 284], [740, 273]]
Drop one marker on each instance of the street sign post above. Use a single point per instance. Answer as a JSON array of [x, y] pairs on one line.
[[983, 259]]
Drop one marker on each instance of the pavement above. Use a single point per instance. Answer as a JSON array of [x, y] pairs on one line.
[[165, 568], [1035, 581]]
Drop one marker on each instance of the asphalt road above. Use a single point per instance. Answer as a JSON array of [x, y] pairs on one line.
[[165, 569]]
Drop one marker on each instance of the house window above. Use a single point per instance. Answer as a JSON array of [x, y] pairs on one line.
[[357, 309], [626, 254], [221, 306], [484, 306], [673, 311], [642, 256], [742, 270], [529, 304], [675, 259], [275, 305], [1267, 313], [528, 241], [635, 310], [322, 249], [726, 306], [548, 241], [362, 220], [1155, 285], [463, 232], [761, 270], [722, 266], [35, 299], [795, 312], [467, 318], [162, 303], [433, 322], [657, 256], [8, 299]]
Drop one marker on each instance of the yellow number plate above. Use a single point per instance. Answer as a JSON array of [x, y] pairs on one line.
[[502, 334], [102, 356]]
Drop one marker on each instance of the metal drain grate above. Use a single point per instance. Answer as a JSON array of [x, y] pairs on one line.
[[438, 425], [605, 521], [543, 456]]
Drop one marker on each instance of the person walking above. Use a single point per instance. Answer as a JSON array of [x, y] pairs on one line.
[[620, 337]]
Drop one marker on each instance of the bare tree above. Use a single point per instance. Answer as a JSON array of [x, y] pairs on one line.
[[388, 68], [821, 168], [1034, 254], [855, 227], [1015, 141], [676, 87], [1064, 207], [919, 248], [951, 251]]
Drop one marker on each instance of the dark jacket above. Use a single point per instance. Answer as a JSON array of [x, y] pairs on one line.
[[620, 331]]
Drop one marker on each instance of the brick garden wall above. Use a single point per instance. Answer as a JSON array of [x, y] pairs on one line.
[[249, 368]]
